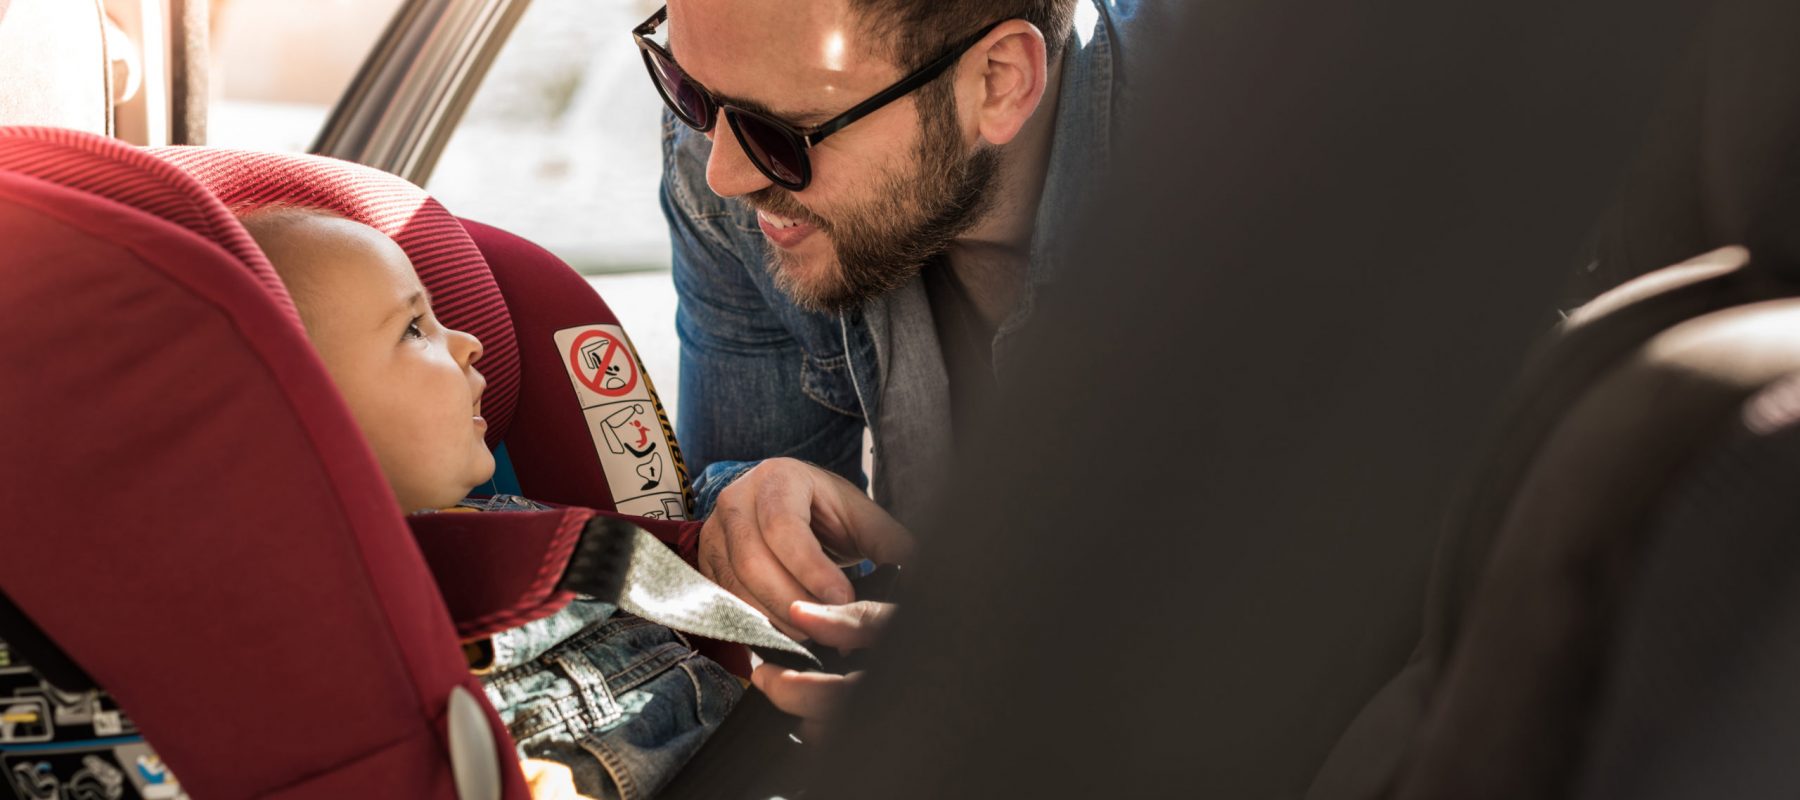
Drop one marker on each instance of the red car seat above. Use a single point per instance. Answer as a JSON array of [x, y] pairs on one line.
[[569, 399], [194, 521], [574, 415]]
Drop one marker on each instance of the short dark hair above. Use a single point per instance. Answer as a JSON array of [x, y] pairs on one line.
[[917, 31]]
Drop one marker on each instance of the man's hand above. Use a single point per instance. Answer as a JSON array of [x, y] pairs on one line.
[[815, 697], [780, 533]]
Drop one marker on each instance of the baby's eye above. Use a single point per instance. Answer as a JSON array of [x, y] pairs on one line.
[[413, 331]]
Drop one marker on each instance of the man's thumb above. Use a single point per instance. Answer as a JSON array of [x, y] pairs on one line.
[[852, 626]]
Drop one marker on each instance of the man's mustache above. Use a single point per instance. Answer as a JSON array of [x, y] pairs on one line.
[[782, 204]]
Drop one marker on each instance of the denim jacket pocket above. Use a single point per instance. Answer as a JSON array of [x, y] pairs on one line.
[[828, 382], [620, 704]]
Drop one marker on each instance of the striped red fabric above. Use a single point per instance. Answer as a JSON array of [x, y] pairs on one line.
[[129, 176], [463, 291]]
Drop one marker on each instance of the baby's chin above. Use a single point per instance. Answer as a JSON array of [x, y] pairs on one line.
[[446, 496], [484, 470]]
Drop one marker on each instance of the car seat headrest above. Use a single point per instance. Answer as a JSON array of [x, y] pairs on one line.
[[123, 174], [463, 291]]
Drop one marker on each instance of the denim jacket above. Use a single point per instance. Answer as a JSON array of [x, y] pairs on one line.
[[619, 700], [763, 378]]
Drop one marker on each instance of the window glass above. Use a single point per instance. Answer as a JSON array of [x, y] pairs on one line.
[[280, 65], [560, 144]]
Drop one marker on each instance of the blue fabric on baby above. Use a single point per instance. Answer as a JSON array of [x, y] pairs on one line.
[[619, 700]]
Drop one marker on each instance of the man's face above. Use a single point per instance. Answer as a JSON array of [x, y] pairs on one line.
[[888, 192], [410, 382]]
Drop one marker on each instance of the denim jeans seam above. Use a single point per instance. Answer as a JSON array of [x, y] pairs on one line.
[[656, 662], [598, 705], [807, 389], [836, 362], [562, 712], [708, 676], [616, 766], [829, 406], [623, 679], [613, 625]]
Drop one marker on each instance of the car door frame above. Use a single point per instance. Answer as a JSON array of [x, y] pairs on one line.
[[404, 103]]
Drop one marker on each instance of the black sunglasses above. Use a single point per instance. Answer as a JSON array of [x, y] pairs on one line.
[[776, 148]]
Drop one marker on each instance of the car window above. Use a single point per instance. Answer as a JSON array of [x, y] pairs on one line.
[[560, 144], [279, 66]]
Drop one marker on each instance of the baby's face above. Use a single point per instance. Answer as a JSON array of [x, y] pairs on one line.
[[410, 382]]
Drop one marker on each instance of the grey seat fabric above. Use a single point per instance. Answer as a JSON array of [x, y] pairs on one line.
[[1537, 563], [1538, 568], [1700, 699], [1715, 165], [53, 65]]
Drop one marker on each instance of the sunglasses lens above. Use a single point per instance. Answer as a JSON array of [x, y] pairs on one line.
[[684, 97], [779, 154]]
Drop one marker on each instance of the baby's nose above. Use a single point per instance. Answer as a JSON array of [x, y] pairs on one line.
[[470, 344]]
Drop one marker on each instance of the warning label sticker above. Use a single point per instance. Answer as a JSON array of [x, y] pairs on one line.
[[632, 436]]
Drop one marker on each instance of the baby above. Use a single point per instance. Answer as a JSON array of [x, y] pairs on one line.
[[582, 720]]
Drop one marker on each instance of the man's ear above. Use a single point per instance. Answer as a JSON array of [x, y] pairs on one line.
[[1002, 80]]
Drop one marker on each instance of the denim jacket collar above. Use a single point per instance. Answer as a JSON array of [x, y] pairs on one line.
[[1080, 150]]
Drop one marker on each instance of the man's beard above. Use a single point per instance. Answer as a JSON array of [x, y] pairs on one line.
[[882, 244]]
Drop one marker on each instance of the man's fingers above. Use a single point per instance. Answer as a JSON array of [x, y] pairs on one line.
[[716, 563], [807, 695], [728, 581], [759, 577], [766, 540], [784, 514], [853, 626], [856, 524]]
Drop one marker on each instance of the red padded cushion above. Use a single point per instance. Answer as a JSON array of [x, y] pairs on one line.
[[552, 450], [132, 177], [463, 292], [192, 515]]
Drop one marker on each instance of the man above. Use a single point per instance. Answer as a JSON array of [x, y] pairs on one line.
[[860, 195], [875, 278]]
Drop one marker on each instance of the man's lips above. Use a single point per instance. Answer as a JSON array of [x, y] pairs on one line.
[[783, 231]]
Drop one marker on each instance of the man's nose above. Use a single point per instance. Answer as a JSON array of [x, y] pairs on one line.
[[728, 169]]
